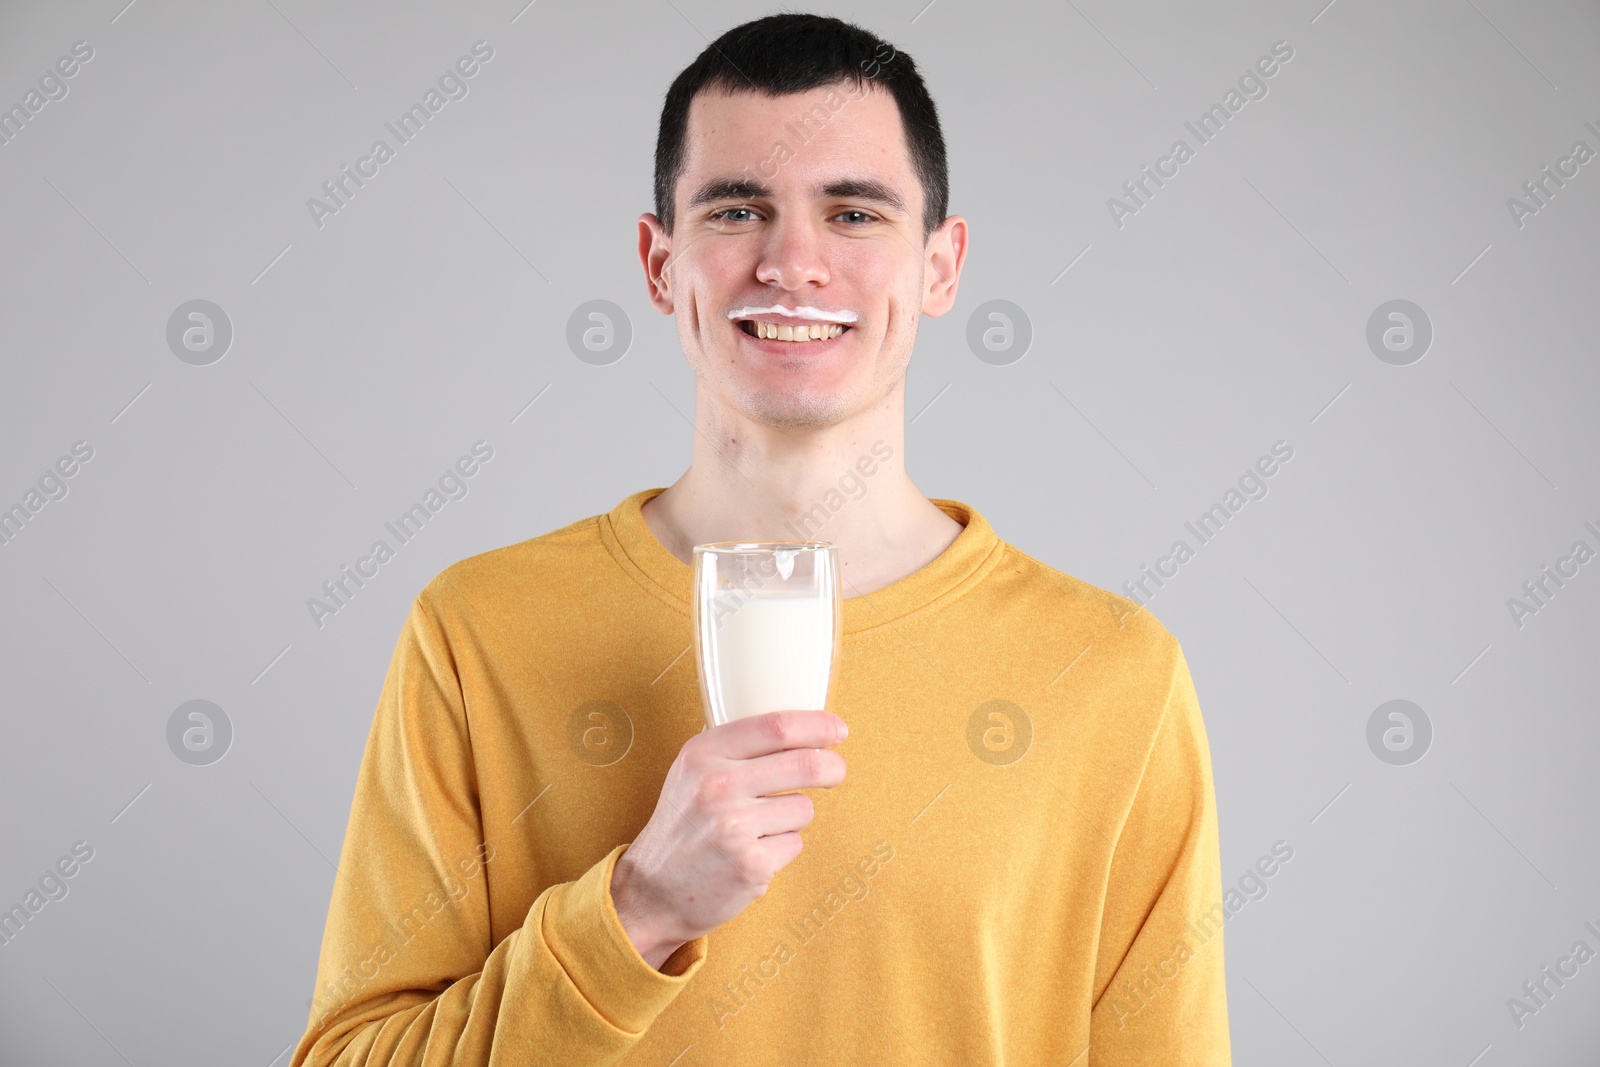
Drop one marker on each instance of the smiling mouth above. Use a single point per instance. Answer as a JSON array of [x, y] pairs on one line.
[[782, 331]]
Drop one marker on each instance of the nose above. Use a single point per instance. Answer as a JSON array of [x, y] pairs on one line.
[[792, 255]]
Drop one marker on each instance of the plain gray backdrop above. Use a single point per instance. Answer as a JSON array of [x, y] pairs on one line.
[[1170, 349]]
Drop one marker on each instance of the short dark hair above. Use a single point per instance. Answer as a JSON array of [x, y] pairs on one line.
[[793, 53]]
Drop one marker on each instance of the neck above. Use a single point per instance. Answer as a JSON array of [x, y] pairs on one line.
[[845, 483]]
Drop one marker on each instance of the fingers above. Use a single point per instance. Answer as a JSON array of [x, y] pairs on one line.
[[772, 816], [778, 851], [733, 783], [795, 768], [775, 731]]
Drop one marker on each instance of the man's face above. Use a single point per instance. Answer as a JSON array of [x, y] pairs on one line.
[[807, 201]]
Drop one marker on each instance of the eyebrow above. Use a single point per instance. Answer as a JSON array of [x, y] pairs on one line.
[[719, 189]]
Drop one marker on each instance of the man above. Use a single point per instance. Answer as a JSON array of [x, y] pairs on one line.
[[551, 860]]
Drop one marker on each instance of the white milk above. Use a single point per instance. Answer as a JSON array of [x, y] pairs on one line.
[[773, 654]]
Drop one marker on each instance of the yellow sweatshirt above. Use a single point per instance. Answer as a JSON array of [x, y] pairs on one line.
[[1021, 866]]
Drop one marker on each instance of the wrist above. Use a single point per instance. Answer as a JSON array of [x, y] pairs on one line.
[[652, 945]]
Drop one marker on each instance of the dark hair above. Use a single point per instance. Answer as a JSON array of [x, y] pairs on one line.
[[793, 53]]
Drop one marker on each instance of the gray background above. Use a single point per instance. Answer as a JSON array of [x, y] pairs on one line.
[[1229, 313]]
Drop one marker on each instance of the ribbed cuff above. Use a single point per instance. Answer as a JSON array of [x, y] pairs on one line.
[[587, 939]]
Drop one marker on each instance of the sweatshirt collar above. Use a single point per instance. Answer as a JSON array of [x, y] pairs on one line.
[[973, 553]]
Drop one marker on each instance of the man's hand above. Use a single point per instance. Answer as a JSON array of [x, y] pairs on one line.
[[717, 835]]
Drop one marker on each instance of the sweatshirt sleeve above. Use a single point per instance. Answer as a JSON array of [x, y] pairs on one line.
[[1161, 994], [408, 972]]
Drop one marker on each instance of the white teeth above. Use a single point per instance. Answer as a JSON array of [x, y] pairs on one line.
[[776, 331]]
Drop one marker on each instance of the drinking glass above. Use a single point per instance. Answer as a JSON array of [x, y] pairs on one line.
[[767, 626]]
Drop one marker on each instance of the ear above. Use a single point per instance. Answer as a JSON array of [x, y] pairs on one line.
[[655, 248], [946, 252]]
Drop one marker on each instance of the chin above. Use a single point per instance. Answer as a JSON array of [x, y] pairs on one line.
[[790, 412]]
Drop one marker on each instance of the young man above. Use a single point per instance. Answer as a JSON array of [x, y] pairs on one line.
[[551, 860]]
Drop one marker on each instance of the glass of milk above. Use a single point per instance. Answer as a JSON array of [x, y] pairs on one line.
[[767, 626]]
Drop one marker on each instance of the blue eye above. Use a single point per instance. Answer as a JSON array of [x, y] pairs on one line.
[[726, 212], [863, 215]]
